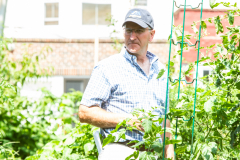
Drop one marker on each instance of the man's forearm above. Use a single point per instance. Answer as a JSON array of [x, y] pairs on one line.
[[98, 117]]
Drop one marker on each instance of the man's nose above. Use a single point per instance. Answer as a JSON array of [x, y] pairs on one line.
[[133, 35]]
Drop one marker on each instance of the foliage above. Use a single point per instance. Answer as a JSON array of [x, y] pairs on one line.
[[78, 144], [30, 124], [217, 119], [117, 45], [151, 138], [6, 150]]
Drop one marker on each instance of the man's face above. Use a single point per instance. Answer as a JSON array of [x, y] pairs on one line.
[[137, 43]]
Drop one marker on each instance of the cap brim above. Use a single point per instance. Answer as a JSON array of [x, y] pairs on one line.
[[139, 22]]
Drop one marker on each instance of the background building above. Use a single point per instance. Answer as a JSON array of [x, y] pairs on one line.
[[206, 41], [80, 36]]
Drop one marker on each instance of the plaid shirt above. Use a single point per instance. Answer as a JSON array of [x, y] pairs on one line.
[[118, 85]]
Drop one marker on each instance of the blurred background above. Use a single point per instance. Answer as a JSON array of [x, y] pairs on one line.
[[55, 44], [83, 32]]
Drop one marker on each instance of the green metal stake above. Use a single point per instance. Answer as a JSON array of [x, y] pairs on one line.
[[179, 80], [195, 96], [180, 71], [166, 102]]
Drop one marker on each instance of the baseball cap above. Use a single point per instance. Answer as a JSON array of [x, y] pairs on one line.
[[140, 16]]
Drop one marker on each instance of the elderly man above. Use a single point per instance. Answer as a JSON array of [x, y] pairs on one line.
[[125, 81]]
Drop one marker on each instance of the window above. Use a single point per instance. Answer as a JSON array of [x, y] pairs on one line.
[[95, 13], [51, 13], [1, 3], [206, 72], [77, 85], [140, 2]]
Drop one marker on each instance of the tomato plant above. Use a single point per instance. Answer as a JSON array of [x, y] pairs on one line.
[[217, 129]]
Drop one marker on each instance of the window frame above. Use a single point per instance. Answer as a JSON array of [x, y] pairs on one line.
[[201, 70], [84, 79], [52, 19], [96, 14]]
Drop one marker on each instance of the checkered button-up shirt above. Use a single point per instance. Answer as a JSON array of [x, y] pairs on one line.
[[118, 85]]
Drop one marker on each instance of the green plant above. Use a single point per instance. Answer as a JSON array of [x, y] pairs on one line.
[[151, 139], [77, 144], [117, 45], [30, 123], [217, 130], [6, 150]]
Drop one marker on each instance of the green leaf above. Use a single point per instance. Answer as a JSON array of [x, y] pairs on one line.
[[160, 74], [237, 85], [146, 156], [218, 25], [147, 125], [209, 20], [70, 140], [181, 149], [137, 144], [212, 2], [88, 147], [208, 105], [213, 147], [234, 135], [238, 95], [231, 17], [218, 83], [208, 149], [135, 155], [203, 25], [220, 49], [121, 134], [157, 147], [109, 139], [173, 141]]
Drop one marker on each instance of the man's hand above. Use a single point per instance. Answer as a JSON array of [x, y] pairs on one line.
[[136, 122]]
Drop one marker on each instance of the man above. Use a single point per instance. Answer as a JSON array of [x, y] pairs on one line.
[[123, 82]]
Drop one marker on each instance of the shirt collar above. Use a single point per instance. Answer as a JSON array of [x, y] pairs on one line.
[[133, 59]]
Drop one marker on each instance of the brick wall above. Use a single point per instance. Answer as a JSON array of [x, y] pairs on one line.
[[76, 57], [212, 38]]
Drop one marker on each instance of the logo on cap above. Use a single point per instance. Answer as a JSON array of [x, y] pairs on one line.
[[135, 14]]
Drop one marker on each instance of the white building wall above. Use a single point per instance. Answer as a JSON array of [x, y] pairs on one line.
[[25, 18], [32, 87]]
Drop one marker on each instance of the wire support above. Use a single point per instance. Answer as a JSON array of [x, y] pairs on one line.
[[183, 80], [185, 119], [187, 5], [185, 43]]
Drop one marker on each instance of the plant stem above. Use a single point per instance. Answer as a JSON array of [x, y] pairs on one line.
[[199, 125], [209, 131]]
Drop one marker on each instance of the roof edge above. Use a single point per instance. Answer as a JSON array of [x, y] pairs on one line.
[[37, 40], [204, 10]]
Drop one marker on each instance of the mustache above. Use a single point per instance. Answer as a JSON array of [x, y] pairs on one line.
[[132, 42]]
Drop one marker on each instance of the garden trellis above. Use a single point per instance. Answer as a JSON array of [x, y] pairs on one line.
[[179, 79]]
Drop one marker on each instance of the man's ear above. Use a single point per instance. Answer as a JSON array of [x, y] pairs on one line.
[[152, 33]]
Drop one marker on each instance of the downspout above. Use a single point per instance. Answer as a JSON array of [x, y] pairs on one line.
[[4, 15]]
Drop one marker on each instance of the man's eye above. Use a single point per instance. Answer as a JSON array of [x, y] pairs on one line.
[[139, 31], [128, 30]]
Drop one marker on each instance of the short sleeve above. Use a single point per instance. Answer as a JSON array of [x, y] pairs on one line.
[[98, 89]]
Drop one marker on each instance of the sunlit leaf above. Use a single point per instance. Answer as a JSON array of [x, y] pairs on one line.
[[160, 74]]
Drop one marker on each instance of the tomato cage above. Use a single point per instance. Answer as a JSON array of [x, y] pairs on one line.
[[180, 70]]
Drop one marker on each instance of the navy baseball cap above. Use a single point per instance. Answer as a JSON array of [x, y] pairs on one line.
[[140, 16]]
